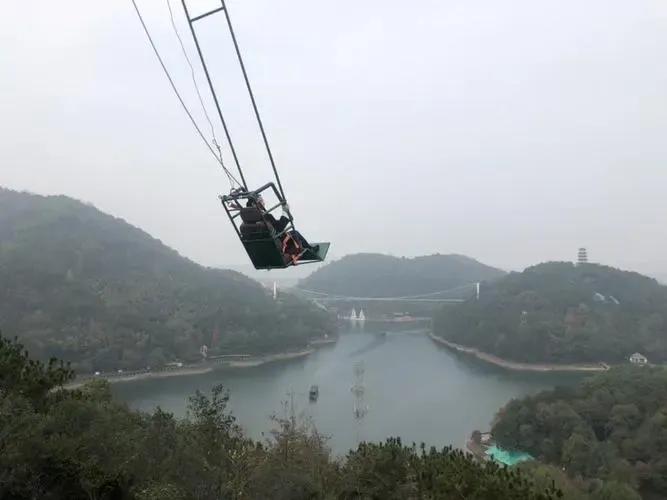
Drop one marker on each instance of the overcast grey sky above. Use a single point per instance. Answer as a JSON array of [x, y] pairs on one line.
[[511, 131]]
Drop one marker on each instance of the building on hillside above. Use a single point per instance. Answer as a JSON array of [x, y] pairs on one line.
[[638, 359], [582, 256]]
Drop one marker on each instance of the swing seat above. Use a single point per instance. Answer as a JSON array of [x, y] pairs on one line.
[[319, 256], [266, 253], [265, 247]]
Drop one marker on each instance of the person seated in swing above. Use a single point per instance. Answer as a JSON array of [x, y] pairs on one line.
[[293, 242]]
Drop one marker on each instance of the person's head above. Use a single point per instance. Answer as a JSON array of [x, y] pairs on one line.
[[256, 201]]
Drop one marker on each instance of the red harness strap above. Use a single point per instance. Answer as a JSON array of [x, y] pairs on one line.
[[292, 248]]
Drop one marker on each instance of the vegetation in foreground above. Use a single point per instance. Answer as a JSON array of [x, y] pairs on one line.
[[81, 444], [81, 285], [561, 313], [611, 427]]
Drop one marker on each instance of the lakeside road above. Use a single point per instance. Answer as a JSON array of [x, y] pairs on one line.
[[204, 367], [514, 365]]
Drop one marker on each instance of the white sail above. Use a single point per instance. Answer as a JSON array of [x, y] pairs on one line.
[[353, 315], [362, 316]]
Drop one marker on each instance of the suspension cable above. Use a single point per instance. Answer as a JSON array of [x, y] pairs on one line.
[[214, 139], [215, 96], [180, 99], [252, 99], [192, 71]]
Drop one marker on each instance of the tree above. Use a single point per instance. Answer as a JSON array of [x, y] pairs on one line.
[[557, 312], [577, 452], [611, 428], [20, 375], [83, 286], [81, 444], [613, 490]]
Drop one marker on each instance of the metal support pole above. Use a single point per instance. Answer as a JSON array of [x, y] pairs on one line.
[[215, 97], [252, 99]]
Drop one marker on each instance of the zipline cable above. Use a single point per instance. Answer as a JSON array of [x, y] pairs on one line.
[[180, 99], [192, 71], [214, 140]]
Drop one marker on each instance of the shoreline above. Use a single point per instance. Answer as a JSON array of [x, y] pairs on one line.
[[269, 358], [518, 366], [204, 367]]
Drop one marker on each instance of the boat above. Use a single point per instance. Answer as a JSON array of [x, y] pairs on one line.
[[313, 393]]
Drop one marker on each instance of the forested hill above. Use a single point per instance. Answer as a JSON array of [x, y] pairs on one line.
[[612, 427], [559, 312], [378, 275], [86, 287]]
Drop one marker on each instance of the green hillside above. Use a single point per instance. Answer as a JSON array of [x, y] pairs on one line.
[[84, 286], [378, 275], [559, 312], [611, 427]]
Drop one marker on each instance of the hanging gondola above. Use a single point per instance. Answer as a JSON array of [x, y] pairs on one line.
[[268, 246], [270, 243]]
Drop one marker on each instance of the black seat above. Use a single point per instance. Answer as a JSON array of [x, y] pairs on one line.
[[251, 215], [260, 239], [254, 227]]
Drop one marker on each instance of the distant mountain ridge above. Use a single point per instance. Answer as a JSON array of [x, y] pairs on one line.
[[561, 312], [380, 275], [84, 286]]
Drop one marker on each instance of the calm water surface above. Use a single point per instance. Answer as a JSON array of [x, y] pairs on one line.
[[413, 389]]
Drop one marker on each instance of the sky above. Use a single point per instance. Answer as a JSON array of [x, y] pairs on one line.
[[513, 132]]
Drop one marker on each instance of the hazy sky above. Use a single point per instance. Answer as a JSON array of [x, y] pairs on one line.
[[513, 131]]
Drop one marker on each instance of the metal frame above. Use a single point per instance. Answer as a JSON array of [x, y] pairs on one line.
[[238, 196], [233, 202], [191, 21]]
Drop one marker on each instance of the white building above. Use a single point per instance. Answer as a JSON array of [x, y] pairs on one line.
[[638, 359]]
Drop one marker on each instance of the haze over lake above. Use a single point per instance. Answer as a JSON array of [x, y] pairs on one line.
[[413, 389]]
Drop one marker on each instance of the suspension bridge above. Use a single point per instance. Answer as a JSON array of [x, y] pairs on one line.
[[454, 295]]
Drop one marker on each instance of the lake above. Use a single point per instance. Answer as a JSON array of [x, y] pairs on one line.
[[412, 388]]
